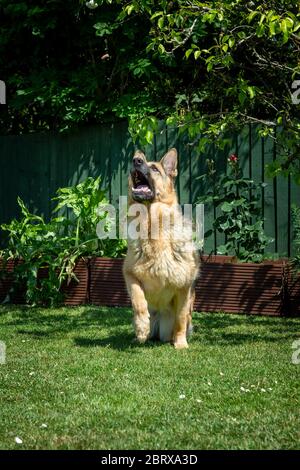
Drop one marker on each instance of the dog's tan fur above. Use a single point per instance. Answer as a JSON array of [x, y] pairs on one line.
[[160, 272]]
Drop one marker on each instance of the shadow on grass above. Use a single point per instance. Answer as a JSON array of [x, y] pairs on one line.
[[209, 328], [120, 342]]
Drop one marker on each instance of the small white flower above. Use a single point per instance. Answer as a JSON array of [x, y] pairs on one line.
[[181, 397], [243, 389], [44, 425], [270, 388], [263, 390], [18, 440], [221, 373], [31, 373], [209, 383], [198, 400]]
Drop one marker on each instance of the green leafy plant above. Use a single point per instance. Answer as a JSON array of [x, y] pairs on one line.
[[240, 218], [45, 254], [83, 200], [37, 246]]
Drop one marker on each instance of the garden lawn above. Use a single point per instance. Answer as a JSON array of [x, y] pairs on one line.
[[75, 379]]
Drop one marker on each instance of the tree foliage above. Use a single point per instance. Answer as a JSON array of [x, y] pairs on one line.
[[206, 67]]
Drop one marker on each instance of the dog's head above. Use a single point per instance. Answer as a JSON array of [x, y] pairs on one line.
[[153, 181]]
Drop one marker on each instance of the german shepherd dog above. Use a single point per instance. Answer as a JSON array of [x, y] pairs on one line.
[[161, 267]]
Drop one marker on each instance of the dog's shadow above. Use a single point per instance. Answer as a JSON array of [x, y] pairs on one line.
[[119, 342]]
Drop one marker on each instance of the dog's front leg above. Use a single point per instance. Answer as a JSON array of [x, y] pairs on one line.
[[182, 318], [140, 308]]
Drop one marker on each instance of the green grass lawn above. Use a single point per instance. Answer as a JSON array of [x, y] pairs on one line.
[[74, 379]]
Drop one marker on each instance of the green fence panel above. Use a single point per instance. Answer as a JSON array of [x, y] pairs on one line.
[[34, 166]]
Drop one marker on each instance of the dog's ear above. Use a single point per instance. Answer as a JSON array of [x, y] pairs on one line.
[[140, 154], [169, 162]]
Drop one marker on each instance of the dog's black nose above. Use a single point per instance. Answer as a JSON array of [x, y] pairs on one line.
[[137, 162]]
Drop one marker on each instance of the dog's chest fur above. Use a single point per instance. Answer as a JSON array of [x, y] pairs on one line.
[[163, 265]]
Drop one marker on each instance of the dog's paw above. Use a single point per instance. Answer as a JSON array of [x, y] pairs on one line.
[[142, 334], [142, 329], [181, 344], [141, 339]]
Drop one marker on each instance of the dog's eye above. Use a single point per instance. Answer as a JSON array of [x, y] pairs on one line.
[[154, 168]]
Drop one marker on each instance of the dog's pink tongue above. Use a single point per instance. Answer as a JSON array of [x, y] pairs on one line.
[[142, 188]]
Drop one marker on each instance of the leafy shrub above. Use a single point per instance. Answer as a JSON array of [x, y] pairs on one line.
[[57, 245], [240, 218]]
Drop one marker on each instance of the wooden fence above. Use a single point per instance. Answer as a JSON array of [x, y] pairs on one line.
[[34, 166]]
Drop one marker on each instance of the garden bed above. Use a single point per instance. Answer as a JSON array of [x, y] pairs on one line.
[[75, 293], [294, 295], [107, 285], [223, 285], [6, 284], [251, 288]]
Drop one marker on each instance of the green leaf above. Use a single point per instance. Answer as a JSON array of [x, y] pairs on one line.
[[285, 38], [149, 136], [160, 22], [226, 207], [222, 250], [130, 9], [262, 18], [272, 28], [231, 42], [161, 49], [225, 225], [158, 13], [252, 15], [260, 30], [225, 47], [283, 26], [251, 92]]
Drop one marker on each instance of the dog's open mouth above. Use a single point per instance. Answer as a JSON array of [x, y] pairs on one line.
[[141, 187]]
